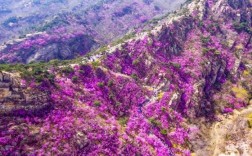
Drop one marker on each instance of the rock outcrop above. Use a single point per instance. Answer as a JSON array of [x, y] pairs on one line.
[[17, 100]]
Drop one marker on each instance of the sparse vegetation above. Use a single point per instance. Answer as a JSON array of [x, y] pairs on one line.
[[97, 103], [205, 40], [123, 120], [100, 84], [74, 79]]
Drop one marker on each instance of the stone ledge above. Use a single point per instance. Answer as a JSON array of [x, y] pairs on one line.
[[16, 100]]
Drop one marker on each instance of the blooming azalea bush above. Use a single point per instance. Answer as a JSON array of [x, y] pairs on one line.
[[139, 99]]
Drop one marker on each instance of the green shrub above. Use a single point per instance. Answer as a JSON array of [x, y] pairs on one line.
[[217, 52], [95, 64], [39, 78], [134, 76], [54, 62], [97, 103], [67, 70], [243, 26], [205, 40], [100, 84], [205, 51], [154, 122], [176, 65], [135, 62], [123, 121], [163, 132], [74, 79]]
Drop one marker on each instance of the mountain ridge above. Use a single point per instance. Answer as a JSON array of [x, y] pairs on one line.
[[97, 22]]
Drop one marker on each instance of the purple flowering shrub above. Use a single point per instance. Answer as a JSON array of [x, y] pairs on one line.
[[141, 99], [21, 50]]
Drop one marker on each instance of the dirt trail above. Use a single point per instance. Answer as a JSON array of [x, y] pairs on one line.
[[232, 135]]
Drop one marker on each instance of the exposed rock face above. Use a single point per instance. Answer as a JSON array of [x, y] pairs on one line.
[[176, 37], [16, 100], [47, 48], [62, 50]]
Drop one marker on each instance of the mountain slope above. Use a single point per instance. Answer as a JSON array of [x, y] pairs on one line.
[[156, 94], [46, 30]]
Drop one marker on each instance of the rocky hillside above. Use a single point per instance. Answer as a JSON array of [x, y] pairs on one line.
[[169, 91], [16, 99], [34, 30]]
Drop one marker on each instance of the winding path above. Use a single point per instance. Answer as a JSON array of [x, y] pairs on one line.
[[235, 125]]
